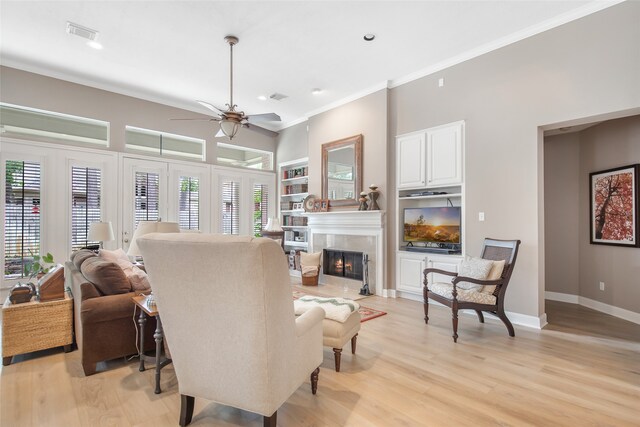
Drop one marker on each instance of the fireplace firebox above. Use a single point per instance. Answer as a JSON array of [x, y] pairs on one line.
[[341, 263]]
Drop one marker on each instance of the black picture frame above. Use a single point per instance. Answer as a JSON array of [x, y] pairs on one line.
[[612, 185]]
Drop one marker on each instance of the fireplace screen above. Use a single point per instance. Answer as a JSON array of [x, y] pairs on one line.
[[342, 263]]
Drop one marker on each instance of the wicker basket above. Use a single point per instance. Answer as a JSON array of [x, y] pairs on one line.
[[310, 279]]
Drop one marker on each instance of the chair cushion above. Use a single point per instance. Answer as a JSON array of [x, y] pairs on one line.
[[467, 295], [107, 276], [475, 268], [494, 274], [79, 257], [310, 259]]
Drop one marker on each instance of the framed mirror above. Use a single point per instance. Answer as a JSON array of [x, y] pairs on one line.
[[342, 171]]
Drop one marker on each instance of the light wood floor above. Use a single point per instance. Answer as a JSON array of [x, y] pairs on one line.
[[405, 373]]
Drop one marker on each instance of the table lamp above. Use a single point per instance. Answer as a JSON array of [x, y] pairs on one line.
[[147, 227], [100, 232]]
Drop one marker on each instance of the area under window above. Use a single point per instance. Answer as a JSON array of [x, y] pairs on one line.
[[233, 155], [85, 204], [147, 197], [163, 144], [260, 208], [21, 216], [47, 126], [230, 207], [189, 203]]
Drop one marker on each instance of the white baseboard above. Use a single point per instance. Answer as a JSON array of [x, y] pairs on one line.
[[389, 293], [630, 316]]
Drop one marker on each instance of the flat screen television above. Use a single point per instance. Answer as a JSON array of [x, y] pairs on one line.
[[432, 225]]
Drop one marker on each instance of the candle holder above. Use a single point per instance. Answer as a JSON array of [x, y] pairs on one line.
[[373, 195], [363, 202]]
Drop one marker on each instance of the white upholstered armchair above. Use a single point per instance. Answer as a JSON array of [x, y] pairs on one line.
[[227, 311]]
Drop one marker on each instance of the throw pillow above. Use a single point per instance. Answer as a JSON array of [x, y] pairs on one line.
[[137, 277], [494, 274], [475, 268], [79, 257], [113, 256], [310, 259], [107, 276]]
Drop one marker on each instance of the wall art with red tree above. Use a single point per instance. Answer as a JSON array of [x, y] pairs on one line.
[[614, 206]]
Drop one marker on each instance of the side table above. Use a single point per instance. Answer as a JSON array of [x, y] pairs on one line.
[[150, 310], [36, 325]]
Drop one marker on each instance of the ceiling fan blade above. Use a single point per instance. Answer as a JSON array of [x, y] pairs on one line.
[[220, 134], [266, 117], [211, 119], [258, 129], [210, 106]]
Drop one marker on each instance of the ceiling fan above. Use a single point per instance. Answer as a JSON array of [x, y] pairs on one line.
[[230, 119]]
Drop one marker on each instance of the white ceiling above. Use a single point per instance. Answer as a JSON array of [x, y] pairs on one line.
[[173, 51]]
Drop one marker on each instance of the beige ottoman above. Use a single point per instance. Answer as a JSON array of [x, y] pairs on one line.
[[336, 335]]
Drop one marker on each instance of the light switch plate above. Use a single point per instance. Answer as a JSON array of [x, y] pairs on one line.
[[480, 216]]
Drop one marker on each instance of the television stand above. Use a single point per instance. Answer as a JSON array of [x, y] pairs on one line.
[[412, 248]]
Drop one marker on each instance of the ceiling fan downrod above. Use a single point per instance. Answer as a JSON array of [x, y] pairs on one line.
[[232, 40]]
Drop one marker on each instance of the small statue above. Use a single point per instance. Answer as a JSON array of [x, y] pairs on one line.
[[373, 195], [363, 202]]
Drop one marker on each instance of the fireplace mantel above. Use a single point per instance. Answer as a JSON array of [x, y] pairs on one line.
[[346, 224]]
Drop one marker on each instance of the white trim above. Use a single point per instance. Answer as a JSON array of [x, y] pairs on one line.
[[556, 21], [389, 293], [628, 315], [558, 296]]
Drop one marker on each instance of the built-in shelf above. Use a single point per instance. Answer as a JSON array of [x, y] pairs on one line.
[[295, 195], [295, 227], [297, 178], [292, 211], [432, 196], [296, 244]]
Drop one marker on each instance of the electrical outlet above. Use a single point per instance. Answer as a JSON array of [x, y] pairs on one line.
[[602, 286], [441, 82], [480, 216]]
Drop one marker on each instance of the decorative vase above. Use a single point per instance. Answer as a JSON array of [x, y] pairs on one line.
[[373, 195], [363, 202]]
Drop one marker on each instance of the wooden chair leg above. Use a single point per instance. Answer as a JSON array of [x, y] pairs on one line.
[[426, 305], [314, 380], [270, 421], [337, 352], [186, 409], [455, 324], [480, 316], [506, 322], [353, 344]]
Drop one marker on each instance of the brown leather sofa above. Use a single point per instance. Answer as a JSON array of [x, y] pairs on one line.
[[104, 324]]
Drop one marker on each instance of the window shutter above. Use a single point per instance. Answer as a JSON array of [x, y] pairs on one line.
[[22, 216], [189, 203], [230, 207], [147, 197], [260, 208], [85, 204]]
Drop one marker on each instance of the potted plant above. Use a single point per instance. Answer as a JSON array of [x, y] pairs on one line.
[[40, 265]]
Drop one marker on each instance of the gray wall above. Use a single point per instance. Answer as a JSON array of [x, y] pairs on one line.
[[561, 212], [293, 143], [36, 91], [585, 68]]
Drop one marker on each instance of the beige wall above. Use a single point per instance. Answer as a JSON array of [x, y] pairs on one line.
[[581, 69], [366, 116], [36, 91], [608, 145], [562, 210]]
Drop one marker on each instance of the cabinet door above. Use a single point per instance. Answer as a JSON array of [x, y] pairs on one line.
[[443, 263], [410, 161], [444, 155], [410, 274]]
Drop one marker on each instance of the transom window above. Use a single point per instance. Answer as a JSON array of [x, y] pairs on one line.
[[163, 144], [233, 155]]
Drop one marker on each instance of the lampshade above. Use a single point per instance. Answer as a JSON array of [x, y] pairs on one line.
[[273, 224], [147, 227], [100, 232], [229, 128]]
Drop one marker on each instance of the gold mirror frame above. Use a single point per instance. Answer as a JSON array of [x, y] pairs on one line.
[[356, 142]]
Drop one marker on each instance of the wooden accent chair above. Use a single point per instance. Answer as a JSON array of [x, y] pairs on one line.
[[451, 296], [275, 235], [227, 310]]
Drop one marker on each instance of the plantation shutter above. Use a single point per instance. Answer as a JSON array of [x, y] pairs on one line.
[[22, 216], [260, 208], [189, 203], [230, 207], [85, 204], [147, 197]]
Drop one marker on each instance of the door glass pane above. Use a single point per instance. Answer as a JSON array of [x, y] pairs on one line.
[[85, 204], [230, 207], [147, 197], [260, 208], [189, 203]]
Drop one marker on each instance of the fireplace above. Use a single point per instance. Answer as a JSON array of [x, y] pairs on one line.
[[347, 264]]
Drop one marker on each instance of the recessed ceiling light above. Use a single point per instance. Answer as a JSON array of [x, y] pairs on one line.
[[369, 37], [316, 91], [94, 44], [262, 98]]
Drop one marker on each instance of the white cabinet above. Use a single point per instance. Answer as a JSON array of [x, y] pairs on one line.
[[409, 272], [410, 267], [444, 155], [411, 166], [430, 158]]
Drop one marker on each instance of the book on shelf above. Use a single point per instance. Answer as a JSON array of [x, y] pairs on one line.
[[296, 188], [295, 172], [293, 221]]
